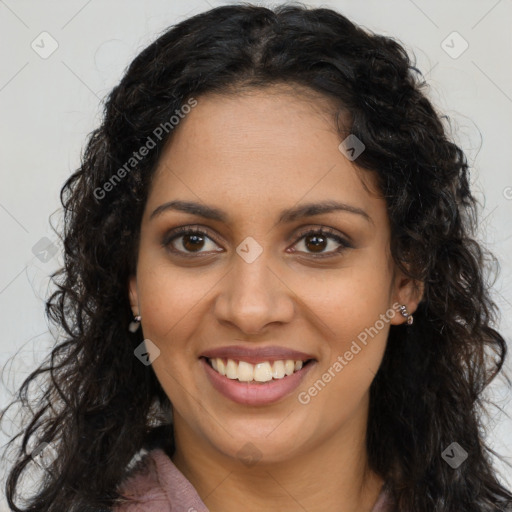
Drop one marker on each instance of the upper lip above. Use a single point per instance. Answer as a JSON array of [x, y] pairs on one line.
[[255, 355]]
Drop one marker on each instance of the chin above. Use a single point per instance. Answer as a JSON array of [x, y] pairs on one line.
[[259, 447]]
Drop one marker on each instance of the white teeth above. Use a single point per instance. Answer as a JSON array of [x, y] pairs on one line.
[[260, 372], [231, 369], [263, 372], [245, 371], [221, 367], [278, 370], [289, 367]]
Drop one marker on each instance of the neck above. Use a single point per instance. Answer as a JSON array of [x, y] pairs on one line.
[[332, 476]]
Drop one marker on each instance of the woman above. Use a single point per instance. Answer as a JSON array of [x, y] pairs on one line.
[[272, 297]]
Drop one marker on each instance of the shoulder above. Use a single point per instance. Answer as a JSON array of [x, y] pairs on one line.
[[141, 488], [384, 501], [155, 484]]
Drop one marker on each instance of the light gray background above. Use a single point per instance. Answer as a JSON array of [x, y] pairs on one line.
[[49, 105]]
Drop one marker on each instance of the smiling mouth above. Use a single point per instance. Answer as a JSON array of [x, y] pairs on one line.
[[262, 372]]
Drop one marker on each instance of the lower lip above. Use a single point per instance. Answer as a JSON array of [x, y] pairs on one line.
[[255, 394]]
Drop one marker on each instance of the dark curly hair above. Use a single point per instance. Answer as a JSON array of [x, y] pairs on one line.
[[100, 407]]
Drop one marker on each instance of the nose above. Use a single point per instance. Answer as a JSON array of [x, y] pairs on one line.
[[253, 296]]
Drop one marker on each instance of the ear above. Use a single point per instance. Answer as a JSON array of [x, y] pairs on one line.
[[407, 292], [133, 294]]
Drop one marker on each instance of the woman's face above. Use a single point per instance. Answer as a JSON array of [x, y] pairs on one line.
[[251, 288]]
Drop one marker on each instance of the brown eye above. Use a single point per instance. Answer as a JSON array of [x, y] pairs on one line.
[[192, 242], [316, 241], [189, 241]]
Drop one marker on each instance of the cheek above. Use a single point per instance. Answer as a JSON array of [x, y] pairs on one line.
[[352, 358], [352, 307], [170, 303], [170, 299], [350, 299]]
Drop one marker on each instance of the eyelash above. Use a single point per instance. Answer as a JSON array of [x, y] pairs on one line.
[[190, 230]]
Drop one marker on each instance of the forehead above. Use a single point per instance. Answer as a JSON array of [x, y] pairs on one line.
[[259, 150]]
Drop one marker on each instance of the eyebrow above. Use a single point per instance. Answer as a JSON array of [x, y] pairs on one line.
[[288, 215]]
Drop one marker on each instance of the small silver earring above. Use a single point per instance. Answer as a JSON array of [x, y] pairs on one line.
[[135, 324], [405, 314]]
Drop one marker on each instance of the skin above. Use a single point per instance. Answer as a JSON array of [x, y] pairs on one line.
[[252, 156]]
